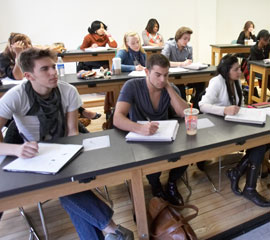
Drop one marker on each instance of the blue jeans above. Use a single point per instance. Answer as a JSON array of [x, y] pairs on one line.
[[88, 213]]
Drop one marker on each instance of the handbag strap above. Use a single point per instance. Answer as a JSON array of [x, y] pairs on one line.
[[187, 218]]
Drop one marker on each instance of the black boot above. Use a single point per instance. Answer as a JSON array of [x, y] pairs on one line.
[[250, 192], [174, 197], [157, 191], [234, 174]]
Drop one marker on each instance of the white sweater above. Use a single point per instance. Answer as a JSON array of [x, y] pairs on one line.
[[216, 97]]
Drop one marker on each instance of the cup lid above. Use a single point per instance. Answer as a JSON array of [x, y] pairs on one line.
[[187, 111]]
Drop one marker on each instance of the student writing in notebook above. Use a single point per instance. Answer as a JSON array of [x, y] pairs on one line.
[[151, 36], [180, 54], [224, 96], [150, 98], [132, 54], [98, 37], [45, 108]]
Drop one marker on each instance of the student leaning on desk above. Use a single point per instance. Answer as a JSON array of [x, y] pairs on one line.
[[132, 54], [45, 108], [151, 36], [180, 54], [224, 96], [150, 98], [97, 37], [248, 33]]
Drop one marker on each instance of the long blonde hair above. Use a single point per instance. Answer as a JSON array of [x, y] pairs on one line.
[[131, 34]]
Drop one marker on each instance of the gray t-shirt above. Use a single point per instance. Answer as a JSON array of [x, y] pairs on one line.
[[15, 103], [172, 52], [136, 93]]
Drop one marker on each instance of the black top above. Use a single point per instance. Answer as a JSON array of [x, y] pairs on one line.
[[122, 155], [6, 66], [259, 54], [242, 37]]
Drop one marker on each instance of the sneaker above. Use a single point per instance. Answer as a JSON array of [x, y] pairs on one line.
[[121, 233]]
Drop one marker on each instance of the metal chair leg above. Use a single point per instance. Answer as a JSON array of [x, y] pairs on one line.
[[106, 197], [186, 182], [41, 215], [32, 232]]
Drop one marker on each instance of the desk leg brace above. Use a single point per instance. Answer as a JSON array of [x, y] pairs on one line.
[[139, 204]]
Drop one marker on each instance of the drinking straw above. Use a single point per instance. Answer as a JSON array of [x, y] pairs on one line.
[[190, 116]]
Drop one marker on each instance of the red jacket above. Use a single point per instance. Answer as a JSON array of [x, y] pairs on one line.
[[101, 41]]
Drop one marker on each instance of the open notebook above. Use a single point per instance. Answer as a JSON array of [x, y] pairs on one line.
[[196, 66], [166, 132], [248, 115], [50, 159]]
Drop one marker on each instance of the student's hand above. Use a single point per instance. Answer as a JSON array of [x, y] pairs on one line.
[[27, 150], [94, 45], [231, 110], [187, 62], [139, 68], [149, 128], [18, 47]]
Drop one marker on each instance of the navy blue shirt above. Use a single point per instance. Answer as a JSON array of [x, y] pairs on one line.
[[136, 93]]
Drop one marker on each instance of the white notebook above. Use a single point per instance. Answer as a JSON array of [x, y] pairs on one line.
[[49, 160], [166, 132], [196, 66], [248, 115]]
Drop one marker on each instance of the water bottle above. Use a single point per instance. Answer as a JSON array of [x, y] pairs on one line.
[[60, 67]]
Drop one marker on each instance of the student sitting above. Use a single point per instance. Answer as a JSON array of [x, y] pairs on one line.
[[132, 54], [247, 33], [180, 54], [50, 107], [150, 35], [97, 37], [9, 66], [141, 98], [224, 96]]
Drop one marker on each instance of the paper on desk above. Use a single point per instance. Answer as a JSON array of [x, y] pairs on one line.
[[96, 143], [137, 74], [7, 81], [98, 49], [177, 69], [204, 123]]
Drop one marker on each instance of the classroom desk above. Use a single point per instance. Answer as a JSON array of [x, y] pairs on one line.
[[220, 49], [151, 50], [261, 68], [85, 56], [116, 82], [122, 161]]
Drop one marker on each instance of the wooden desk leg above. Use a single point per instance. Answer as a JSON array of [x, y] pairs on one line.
[[213, 58], [264, 85], [110, 64], [220, 54], [139, 204], [251, 85]]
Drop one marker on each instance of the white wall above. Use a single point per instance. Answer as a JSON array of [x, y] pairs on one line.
[[46, 22]]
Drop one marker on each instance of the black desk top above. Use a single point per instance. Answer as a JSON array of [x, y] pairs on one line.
[[122, 155], [230, 45], [72, 78], [260, 63]]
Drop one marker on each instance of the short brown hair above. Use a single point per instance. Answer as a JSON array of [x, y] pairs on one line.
[[157, 59], [29, 56], [181, 31]]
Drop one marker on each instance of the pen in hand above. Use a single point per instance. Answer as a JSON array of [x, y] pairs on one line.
[[24, 137], [29, 149]]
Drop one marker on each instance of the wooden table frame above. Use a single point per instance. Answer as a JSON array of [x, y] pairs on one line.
[[89, 56], [264, 70], [134, 174], [221, 49]]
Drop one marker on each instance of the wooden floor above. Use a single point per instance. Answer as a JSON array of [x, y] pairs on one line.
[[217, 211]]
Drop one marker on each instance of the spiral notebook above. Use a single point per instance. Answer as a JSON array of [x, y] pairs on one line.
[[49, 160], [166, 132]]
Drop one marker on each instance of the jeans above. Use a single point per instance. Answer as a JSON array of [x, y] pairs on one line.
[[88, 213]]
